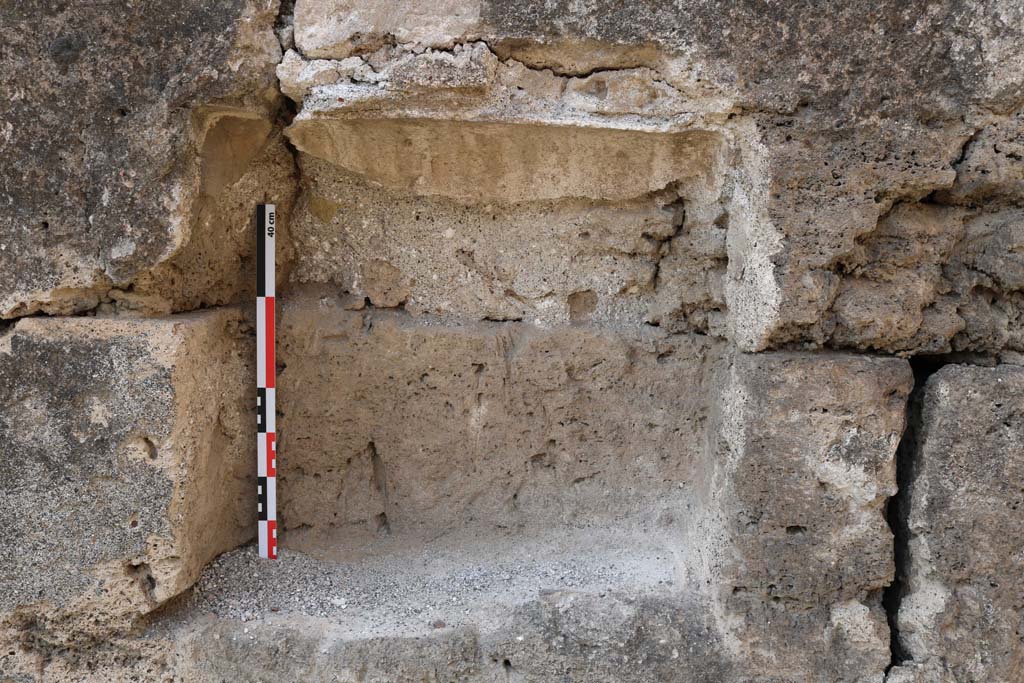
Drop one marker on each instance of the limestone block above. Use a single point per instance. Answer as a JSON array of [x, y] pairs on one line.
[[845, 251], [578, 636], [135, 135], [931, 279], [658, 258], [392, 424], [792, 526], [807, 196], [802, 206], [498, 162], [480, 109], [127, 462], [765, 476], [765, 58], [960, 612]]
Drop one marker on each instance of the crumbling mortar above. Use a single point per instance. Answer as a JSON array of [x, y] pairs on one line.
[[451, 49]]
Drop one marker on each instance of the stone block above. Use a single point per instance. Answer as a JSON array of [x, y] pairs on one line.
[[127, 466], [136, 136], [658, 258], [960, 612], [791, 528], [390, 421]]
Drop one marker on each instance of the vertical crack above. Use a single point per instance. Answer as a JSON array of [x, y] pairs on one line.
[[678, 209], [898, 510], [284, 26]]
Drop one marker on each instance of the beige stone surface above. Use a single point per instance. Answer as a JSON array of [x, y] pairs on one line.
[[659, 258], [791, 526], [484, 162], [594, 318], [960, 608], [870, 262], [487, 500], [127, 450], [418, 428], [990, 170], [806, 205], [137, 138]]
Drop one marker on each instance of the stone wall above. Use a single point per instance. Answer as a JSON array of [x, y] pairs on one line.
[[616, 341]]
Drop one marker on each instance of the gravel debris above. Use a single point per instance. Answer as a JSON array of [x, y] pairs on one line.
[[423, 586]]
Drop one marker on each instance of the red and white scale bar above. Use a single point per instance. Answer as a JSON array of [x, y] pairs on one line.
[[266, 463]]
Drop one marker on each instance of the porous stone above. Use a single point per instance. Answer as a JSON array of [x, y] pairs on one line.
[[860, 257], [658, 258], [990, 169], [815, 169], [515, 426], [639, 507], [135, 136], [769, 58], [337, 28], [580, 636], [488, 162], [934, 279], [605, 429], [770, 498], [960, 611], [791, 527], [126, 463], [809, 194]]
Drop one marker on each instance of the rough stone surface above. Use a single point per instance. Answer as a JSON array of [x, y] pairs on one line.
[[561, 634], [585, 602], [816, 170], [508, 163], [125, 467], [658, 258], [791, 525], [499, 425], [135, 136], [960, 614], [989, 170], [770, 57], [526, 436], [594, 319], [934, 279], [729, 580]]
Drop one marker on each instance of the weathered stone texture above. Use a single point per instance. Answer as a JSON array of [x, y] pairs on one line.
[[429, 428], [400, 431], [567, 291], [134, 135], [561, 635], [960, 615], [934, 279], [810, 176], [776, 57], [791, 526], [657, 258], [904, 252], [485, 162], [991, 167], [767, 563], [125, 466]]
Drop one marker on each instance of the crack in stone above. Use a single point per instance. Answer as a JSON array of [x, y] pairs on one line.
[[898, 510]]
